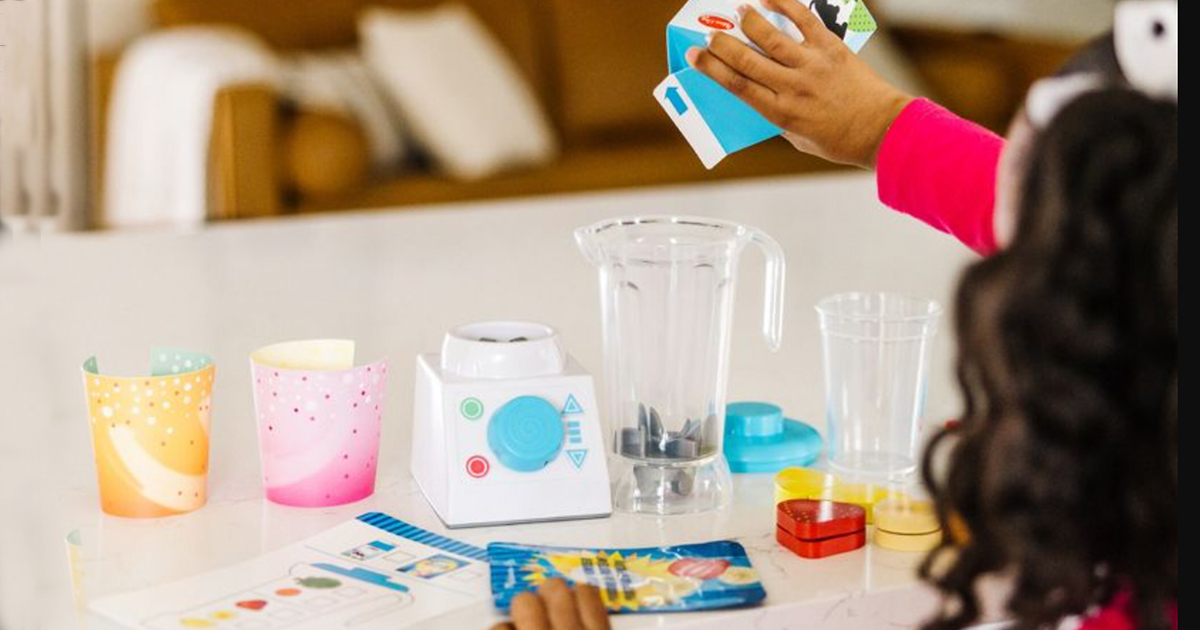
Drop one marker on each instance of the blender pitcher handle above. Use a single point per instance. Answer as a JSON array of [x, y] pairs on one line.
[[773, 292]]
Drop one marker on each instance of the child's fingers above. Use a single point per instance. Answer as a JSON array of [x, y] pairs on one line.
[[529, 613], [810, 25], [748, 62], [777, 45], [560, 605], [754, 94], [591, 608]]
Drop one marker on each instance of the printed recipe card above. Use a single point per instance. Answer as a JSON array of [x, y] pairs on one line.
[[373, 572]]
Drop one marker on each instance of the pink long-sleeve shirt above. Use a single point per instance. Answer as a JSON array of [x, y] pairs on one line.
[[942, 170]]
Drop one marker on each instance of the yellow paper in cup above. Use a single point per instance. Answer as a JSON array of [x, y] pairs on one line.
[[150, 434], [807, 483], [309, 354]]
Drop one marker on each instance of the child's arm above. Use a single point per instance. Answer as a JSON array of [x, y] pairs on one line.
[[1120, 615], [932, 165], [942, 170]]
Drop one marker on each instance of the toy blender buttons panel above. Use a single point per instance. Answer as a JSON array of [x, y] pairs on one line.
[[647, 580], [518, 434]]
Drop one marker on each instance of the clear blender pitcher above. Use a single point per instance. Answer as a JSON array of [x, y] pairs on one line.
[[667, 293]]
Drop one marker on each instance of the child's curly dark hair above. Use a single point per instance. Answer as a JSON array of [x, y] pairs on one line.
[[1064, 473]]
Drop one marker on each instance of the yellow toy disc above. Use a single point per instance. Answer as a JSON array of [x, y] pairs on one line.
[[918, 543]]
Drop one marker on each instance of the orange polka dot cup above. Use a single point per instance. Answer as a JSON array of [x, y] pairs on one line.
[[320, 419], [150, 434]]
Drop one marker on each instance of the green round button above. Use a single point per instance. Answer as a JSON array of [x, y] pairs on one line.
[[471, 409]]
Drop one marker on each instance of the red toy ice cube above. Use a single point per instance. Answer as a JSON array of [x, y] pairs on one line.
[[819, 529]]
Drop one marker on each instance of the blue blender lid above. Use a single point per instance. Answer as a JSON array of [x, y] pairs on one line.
[[758, 439]]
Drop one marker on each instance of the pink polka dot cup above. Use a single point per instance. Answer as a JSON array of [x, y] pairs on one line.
[[319, 422]]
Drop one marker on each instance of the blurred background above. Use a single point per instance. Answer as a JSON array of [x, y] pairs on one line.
[[123, 114]]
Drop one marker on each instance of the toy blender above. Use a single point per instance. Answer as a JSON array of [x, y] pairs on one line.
[[667, 294]]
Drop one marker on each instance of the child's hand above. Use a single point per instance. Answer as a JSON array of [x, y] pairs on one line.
[[827, 100], [557, 606]]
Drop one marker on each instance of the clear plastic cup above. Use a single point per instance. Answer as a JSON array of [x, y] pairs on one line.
[[878, 348]]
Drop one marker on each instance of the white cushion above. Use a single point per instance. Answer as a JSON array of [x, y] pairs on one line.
[[455, 86]]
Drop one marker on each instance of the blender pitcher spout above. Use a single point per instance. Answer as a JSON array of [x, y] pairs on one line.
[[589, 246]]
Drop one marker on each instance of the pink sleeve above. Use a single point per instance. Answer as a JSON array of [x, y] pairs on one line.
[[1118, 615], [941, 169]]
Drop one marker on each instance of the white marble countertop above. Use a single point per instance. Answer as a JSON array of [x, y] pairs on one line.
[[395, 282]]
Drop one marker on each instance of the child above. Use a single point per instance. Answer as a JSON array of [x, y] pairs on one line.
[[1063, 476]]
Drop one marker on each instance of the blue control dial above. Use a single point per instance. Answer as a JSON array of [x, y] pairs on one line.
[[526, 433]]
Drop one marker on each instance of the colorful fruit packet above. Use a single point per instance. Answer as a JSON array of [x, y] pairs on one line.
[[704, 576]]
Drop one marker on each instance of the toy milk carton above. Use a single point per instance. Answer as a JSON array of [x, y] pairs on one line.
[[714, 121]]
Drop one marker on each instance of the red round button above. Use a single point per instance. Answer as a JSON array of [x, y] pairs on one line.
[[478, 466]]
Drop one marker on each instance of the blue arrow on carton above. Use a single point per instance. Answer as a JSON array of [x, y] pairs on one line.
[[677, 101]]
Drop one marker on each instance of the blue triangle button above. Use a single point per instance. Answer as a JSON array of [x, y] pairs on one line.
[[572, 406], [577, 456]]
